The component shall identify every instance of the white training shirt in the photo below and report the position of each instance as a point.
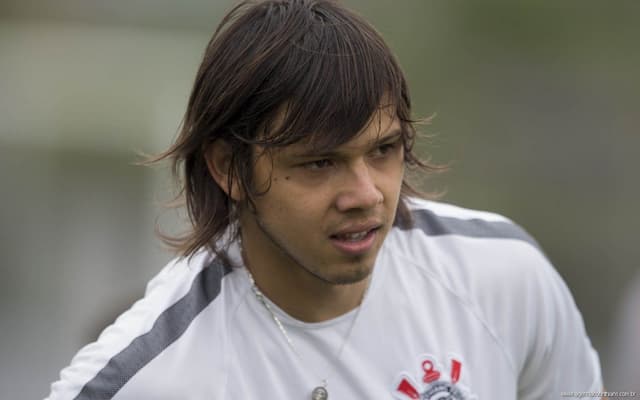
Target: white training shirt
(462, 304)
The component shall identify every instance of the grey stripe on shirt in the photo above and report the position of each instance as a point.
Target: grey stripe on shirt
(435, 225)
(169, 326)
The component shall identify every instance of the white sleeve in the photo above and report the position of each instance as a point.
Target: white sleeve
(125, 349)
(559, 356)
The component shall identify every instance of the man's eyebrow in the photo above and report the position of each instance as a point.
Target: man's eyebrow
(388, 137)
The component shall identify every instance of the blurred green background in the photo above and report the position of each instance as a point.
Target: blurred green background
(536, 106)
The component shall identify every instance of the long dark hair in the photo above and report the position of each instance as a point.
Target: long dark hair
(276, 72)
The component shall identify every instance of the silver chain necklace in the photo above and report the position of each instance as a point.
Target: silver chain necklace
(319, 392)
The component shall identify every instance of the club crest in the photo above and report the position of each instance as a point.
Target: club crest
(433, 382)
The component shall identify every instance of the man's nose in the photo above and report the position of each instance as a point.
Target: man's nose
(359, 189)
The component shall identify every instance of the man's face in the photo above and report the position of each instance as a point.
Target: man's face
(328, 213)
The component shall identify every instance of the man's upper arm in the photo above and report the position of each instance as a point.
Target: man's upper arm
(560, 357)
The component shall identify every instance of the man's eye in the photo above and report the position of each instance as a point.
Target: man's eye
(384, 149)
(317, 165)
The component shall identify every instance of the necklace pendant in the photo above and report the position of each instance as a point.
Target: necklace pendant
(319, 393)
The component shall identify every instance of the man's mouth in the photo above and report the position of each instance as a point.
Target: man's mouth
(354, 236)
(356, 242)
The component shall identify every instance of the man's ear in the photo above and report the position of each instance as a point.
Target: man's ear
(218, 157)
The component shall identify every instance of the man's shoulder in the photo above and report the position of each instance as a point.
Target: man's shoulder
(185, 284)
(478, 257)
(174, 299)
(488, 266)
(451, 210)
(183, 276)
(432, 219)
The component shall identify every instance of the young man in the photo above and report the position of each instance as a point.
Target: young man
(313, 270)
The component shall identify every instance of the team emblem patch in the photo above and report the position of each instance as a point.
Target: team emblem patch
(434, 384)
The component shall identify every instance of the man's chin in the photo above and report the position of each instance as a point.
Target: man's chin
(350, 277)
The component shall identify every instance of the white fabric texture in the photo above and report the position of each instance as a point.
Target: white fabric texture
(455, 303)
